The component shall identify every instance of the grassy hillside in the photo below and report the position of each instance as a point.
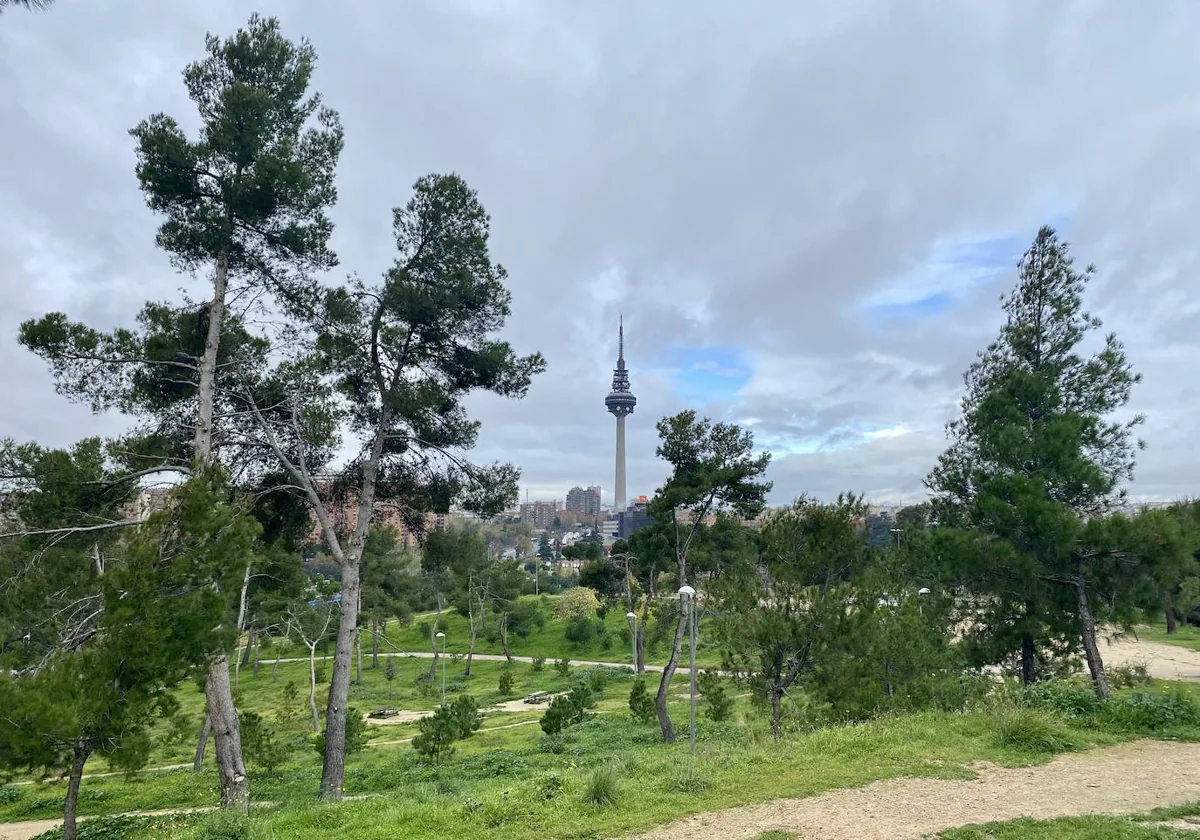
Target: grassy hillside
(610, 643)
(1186, 636)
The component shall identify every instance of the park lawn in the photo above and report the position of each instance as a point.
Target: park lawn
(516, 783)
(1185, 636)
(548, 641)
(1138, 827)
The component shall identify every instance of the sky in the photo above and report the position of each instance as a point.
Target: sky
(806, 212)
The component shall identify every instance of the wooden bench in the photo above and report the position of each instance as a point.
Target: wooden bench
(538, 697)
(385, 712)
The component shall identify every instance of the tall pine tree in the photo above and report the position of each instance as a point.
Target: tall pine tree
(1036, 453)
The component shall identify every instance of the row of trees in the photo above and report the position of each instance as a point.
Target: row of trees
(254, 394)
(1022, 550)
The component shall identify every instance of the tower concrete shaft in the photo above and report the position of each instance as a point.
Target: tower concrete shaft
(620, 402)
(619, 483)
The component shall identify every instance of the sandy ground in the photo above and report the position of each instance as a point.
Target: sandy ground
(411, 716)
(1131, 778)
(1167, 662)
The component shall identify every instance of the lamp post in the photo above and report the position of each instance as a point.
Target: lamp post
(897, 532)
(631, 616)
(442, 636)
(687, 601)
(921, 593)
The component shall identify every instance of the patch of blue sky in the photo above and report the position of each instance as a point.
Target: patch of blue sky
(838, 439)
(708, 374)
(952, 269)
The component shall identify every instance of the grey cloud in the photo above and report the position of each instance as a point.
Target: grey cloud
(733, 173)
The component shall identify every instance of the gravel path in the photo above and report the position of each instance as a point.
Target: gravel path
(1130, 778)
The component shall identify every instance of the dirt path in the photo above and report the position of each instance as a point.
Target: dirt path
(1168, 662)
(1131, 778)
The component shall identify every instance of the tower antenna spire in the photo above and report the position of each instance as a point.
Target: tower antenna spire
(620, 402)
(621, 337)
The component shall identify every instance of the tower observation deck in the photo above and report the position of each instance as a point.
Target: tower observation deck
(620, 403)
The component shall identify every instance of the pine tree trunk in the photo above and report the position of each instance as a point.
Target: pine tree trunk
(227, 743)
(275, 667)
(1028, 654)
(374, 642)
(664, 685)
(1090, 648)
(251, 638)
(256, 645)
(471, 649)
(1169, 612)
(504, 638)
(333, 770)
(78, 759)
(202, 743)
(776, 712)
(312, 688)
(227, 739)
(357, 657)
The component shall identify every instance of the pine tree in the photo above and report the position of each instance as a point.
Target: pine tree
(1034, 452)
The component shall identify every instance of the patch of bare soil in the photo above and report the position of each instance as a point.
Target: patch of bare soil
(1130, 778)
(1168, 662)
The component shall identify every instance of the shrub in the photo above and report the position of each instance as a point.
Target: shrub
(563, 666)
(718, 703)
(223, 825)
(448, 724)
(1073, 699)
(322, 674)
(580, 630)
(603, 787)
(1031, 730)
(356, 733)
(577, 602)
(568, 710)
(291, 706)
(606, 642)
(597, 680)
(539, 662)
(491, 764)
(641, 704)
(550, 785)
(9, 794)
(1146, 712)
(262, 745)
(1129, 676)
(687, 778)
(506, 683)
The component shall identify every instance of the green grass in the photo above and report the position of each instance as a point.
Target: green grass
(548, 641)
(1071, 828)
(1186, 636)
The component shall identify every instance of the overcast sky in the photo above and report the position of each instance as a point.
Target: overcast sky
(805, 211)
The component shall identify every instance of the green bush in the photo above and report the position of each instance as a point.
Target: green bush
(718, 703)
(580, 630)
(1074, 699)
(687, 778)
(506, 683)
(568, 710)
(550, 785)
(597, 680)
(9, 794)
(223, 825)
(356, 733)
(1142, 711)
(1129, 676)
(563, 667)
(490, 765)
(641, 704)
(1032, 730)
(120, 827)
(603, 787)
(439, 731)
(539, 662)
(577, 602)
(262, 745)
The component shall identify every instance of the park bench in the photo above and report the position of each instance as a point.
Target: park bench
(385, 712)
(538, 697)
